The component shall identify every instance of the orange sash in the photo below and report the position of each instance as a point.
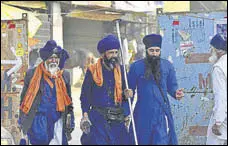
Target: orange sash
(96, 70)
(61, 92)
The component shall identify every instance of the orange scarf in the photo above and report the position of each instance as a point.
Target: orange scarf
(61, 92)
(96, 70)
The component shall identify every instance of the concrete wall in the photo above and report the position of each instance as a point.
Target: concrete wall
(81, 37)
(83, 34)
(44, 32)
(57, 24)
(42, 35)
(192, 114)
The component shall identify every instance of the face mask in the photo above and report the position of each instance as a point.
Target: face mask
(213, 58)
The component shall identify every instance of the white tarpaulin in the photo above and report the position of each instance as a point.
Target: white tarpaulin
(138, 6)
(11, 13)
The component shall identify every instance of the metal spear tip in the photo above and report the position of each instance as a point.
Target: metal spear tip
(117, 20)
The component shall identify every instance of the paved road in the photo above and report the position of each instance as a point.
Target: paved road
(76, 134)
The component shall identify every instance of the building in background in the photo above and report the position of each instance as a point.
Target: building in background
(79, 25)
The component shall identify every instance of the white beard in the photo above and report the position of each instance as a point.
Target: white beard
(213, 58)
(52, 68)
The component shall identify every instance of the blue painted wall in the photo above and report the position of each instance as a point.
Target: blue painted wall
(195, 108)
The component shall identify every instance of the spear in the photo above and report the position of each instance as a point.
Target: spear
(125, 77)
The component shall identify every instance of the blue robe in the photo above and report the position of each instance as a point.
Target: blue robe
(38, 117)
(150, 109)
(101, 132)
(42, 129)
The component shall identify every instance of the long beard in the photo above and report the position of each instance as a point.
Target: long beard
(152, 67)
(112, 62)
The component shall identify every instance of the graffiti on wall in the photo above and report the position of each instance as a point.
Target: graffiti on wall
(186, 43)
(221, 27)
(14, 63)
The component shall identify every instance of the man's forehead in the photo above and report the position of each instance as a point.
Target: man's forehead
(54, 56)
(212, 47)
(151, 48)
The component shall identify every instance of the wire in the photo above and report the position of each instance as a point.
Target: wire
(200, 17)
(39, 14)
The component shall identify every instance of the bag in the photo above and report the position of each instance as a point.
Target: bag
(115, 115)
(111, 114)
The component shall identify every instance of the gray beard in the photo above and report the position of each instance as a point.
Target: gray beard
(52, 68)
(213, 58)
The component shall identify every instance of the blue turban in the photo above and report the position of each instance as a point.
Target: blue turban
(51, 48)
(219, 42)
(63, 55)
(152, 40)
(108, 43)
(47, 50)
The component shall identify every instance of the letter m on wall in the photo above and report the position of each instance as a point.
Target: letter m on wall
(205, 83)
